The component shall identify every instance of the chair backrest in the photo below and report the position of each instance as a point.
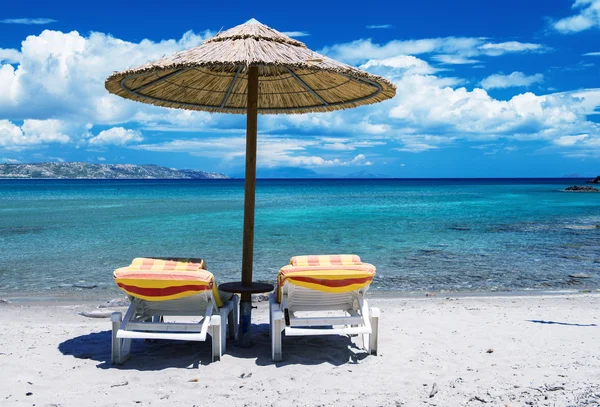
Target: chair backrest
(153, 279)
(337, 278)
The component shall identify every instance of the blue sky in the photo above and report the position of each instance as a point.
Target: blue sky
(485, 89)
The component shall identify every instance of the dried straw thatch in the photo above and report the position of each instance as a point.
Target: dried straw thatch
(213, 76)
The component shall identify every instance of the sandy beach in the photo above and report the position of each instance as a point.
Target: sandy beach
(455, 351)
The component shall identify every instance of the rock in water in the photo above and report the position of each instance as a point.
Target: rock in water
(85, 285)
(578, 188)
(580, 275)
(595, 180)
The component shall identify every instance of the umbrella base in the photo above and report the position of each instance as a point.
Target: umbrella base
(245, 322)
(245, 306)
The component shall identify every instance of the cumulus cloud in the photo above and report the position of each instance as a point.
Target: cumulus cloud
(117, 136)
(515, 79)
(31, 133)
(570, 140)
(10, 56)
(271, 151)
(62, 75)
(588, 16)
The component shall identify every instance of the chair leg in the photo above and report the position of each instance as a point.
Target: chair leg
(232, 321)
(215, 333)
(224, 312)
(374, 337)
(121, 348)
(277, 327)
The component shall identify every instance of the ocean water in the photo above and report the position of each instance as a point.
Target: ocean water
(64, 238)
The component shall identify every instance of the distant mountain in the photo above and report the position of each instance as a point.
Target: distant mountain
(78, 170)
(364, 174)
(283, 172)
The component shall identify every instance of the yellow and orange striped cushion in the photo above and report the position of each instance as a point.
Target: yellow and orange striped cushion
(161, 280)
(327, 273)
(326, 260)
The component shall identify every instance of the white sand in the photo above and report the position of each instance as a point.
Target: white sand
(63, 359)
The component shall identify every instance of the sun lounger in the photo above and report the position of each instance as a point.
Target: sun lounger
(160, 287)
(319, 285)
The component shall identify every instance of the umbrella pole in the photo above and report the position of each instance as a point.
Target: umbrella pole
(249, 202)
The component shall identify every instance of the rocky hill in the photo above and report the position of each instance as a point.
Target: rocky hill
(79, 170)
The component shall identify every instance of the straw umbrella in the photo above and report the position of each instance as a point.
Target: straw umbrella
(250, 69)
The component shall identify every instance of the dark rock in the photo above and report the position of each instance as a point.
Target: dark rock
(4, 301)
(86, 286)
(595, 180)
(578, 188)
(580, 275)
(434, 390)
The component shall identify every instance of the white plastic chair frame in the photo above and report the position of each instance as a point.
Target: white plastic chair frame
(358, 318)
(144, 320)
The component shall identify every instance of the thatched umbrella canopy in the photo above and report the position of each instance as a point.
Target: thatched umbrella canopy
(250, 69)
(213, 77)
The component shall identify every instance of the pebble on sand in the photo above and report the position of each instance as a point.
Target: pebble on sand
(97, 314)
(116, 302)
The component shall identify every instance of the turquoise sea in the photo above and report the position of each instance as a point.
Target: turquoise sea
(64, 238)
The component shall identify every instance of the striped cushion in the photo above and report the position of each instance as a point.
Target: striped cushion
(326, 260)
(330, 273)
(161, 280)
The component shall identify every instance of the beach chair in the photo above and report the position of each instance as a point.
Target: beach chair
(314, 286)
(160, 287)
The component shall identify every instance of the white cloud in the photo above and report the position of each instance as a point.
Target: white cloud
(588, 16)
(466, 47)
(271, 151)
(28, 21)
(61, 75)
(515, 79)
(31, 133)
(296, 33)
(117, 136)
(9, 56)
(497, 49)
(455, 60)
(592, 54)
(379, 26)
(570, 140)
(402, 64)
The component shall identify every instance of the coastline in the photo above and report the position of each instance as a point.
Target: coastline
(31, 299)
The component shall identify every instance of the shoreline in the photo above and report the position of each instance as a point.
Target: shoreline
(371, 294)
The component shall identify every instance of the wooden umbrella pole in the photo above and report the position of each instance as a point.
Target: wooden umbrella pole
(249, 201)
